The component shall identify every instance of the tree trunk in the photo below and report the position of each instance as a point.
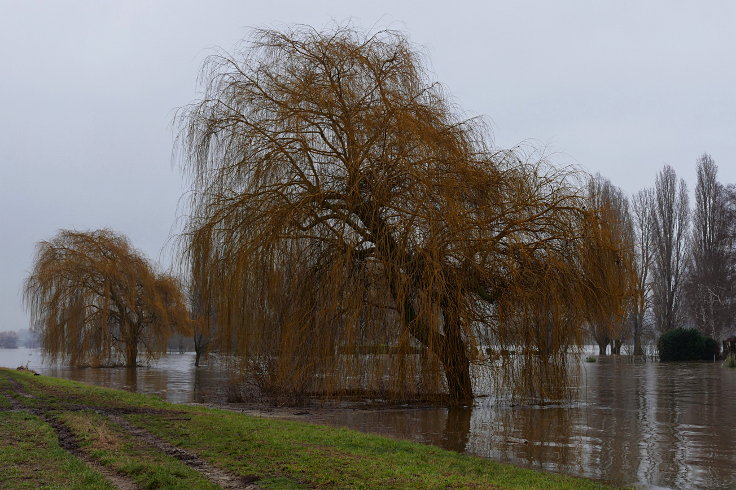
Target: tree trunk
(449, 346)
(602, 348)
(638, 351)
(455, 358)
(459, 384)
(616, 347)
(131, 349)
(131, 354)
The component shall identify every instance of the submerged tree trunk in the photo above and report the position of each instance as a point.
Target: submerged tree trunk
(638, 351)
(602, 346)
(200, 346)
(131, 354)
(455, 356)
(131, 349)
(459, 386)
(616, 347)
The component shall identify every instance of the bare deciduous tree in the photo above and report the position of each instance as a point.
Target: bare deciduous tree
(96, 301)
(351, 232)
(670, 221)
(643, 237)
(708, 284)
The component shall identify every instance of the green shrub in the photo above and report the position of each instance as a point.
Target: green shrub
(686, 344)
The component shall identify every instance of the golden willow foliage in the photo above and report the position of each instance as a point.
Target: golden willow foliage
(349, 232)
(96, 301)
(608, 260)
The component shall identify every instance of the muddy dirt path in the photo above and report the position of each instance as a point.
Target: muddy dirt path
(69, 442)
(212, 473)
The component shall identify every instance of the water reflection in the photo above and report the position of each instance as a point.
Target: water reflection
(645, 424)
(174, 378)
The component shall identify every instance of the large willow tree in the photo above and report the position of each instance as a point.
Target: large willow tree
(96, 301)
(348, 231)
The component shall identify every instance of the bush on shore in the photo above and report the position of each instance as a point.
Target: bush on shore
(686, 344)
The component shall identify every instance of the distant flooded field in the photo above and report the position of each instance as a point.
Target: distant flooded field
(646, 424)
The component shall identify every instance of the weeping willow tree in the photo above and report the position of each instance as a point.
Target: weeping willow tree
(608, 260)
(349, 231)
(96, 301)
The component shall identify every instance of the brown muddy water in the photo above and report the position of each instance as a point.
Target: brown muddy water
(642, 424)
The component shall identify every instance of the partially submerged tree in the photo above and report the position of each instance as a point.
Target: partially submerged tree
(349, 231)
(202, 325)
(642, 297)
(670, 221)
(608, 260)
(96, 301)
(709, 283)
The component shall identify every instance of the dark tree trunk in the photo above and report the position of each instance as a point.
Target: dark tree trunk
(638, 351)
(201, 343)
(459, 386)
(616, 347)
(131, 348)
(448, 346)
(455, 358)
(131, 354)
(602, 348)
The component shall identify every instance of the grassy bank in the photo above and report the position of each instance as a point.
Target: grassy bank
(58, 433)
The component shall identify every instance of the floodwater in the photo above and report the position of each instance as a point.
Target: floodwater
(643, 424)
(173, 378)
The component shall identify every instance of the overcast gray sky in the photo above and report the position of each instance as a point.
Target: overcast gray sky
(88, 91)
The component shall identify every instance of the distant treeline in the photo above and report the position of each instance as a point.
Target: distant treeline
(684, 256)
(20, 338)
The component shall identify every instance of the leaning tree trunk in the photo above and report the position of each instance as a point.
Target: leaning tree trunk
(457, 373)
(455, 358)
(450, 346)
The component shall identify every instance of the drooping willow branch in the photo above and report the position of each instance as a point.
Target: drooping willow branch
(96, 301)
(329, 175)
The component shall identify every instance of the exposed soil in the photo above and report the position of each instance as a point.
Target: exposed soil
(212, 473)
(69, 442)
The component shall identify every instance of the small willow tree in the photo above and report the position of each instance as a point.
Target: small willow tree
(96, 301)
(348, 231)
(608, 260)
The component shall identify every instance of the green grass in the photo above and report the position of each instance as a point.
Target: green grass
(113, 447)
(281, 454)
(60, 394)
(30, 457)
(306, 455)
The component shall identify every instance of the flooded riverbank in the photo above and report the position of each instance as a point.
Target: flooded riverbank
(647, 424)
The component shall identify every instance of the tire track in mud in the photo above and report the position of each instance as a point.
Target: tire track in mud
(68, 441)
(210, 472)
